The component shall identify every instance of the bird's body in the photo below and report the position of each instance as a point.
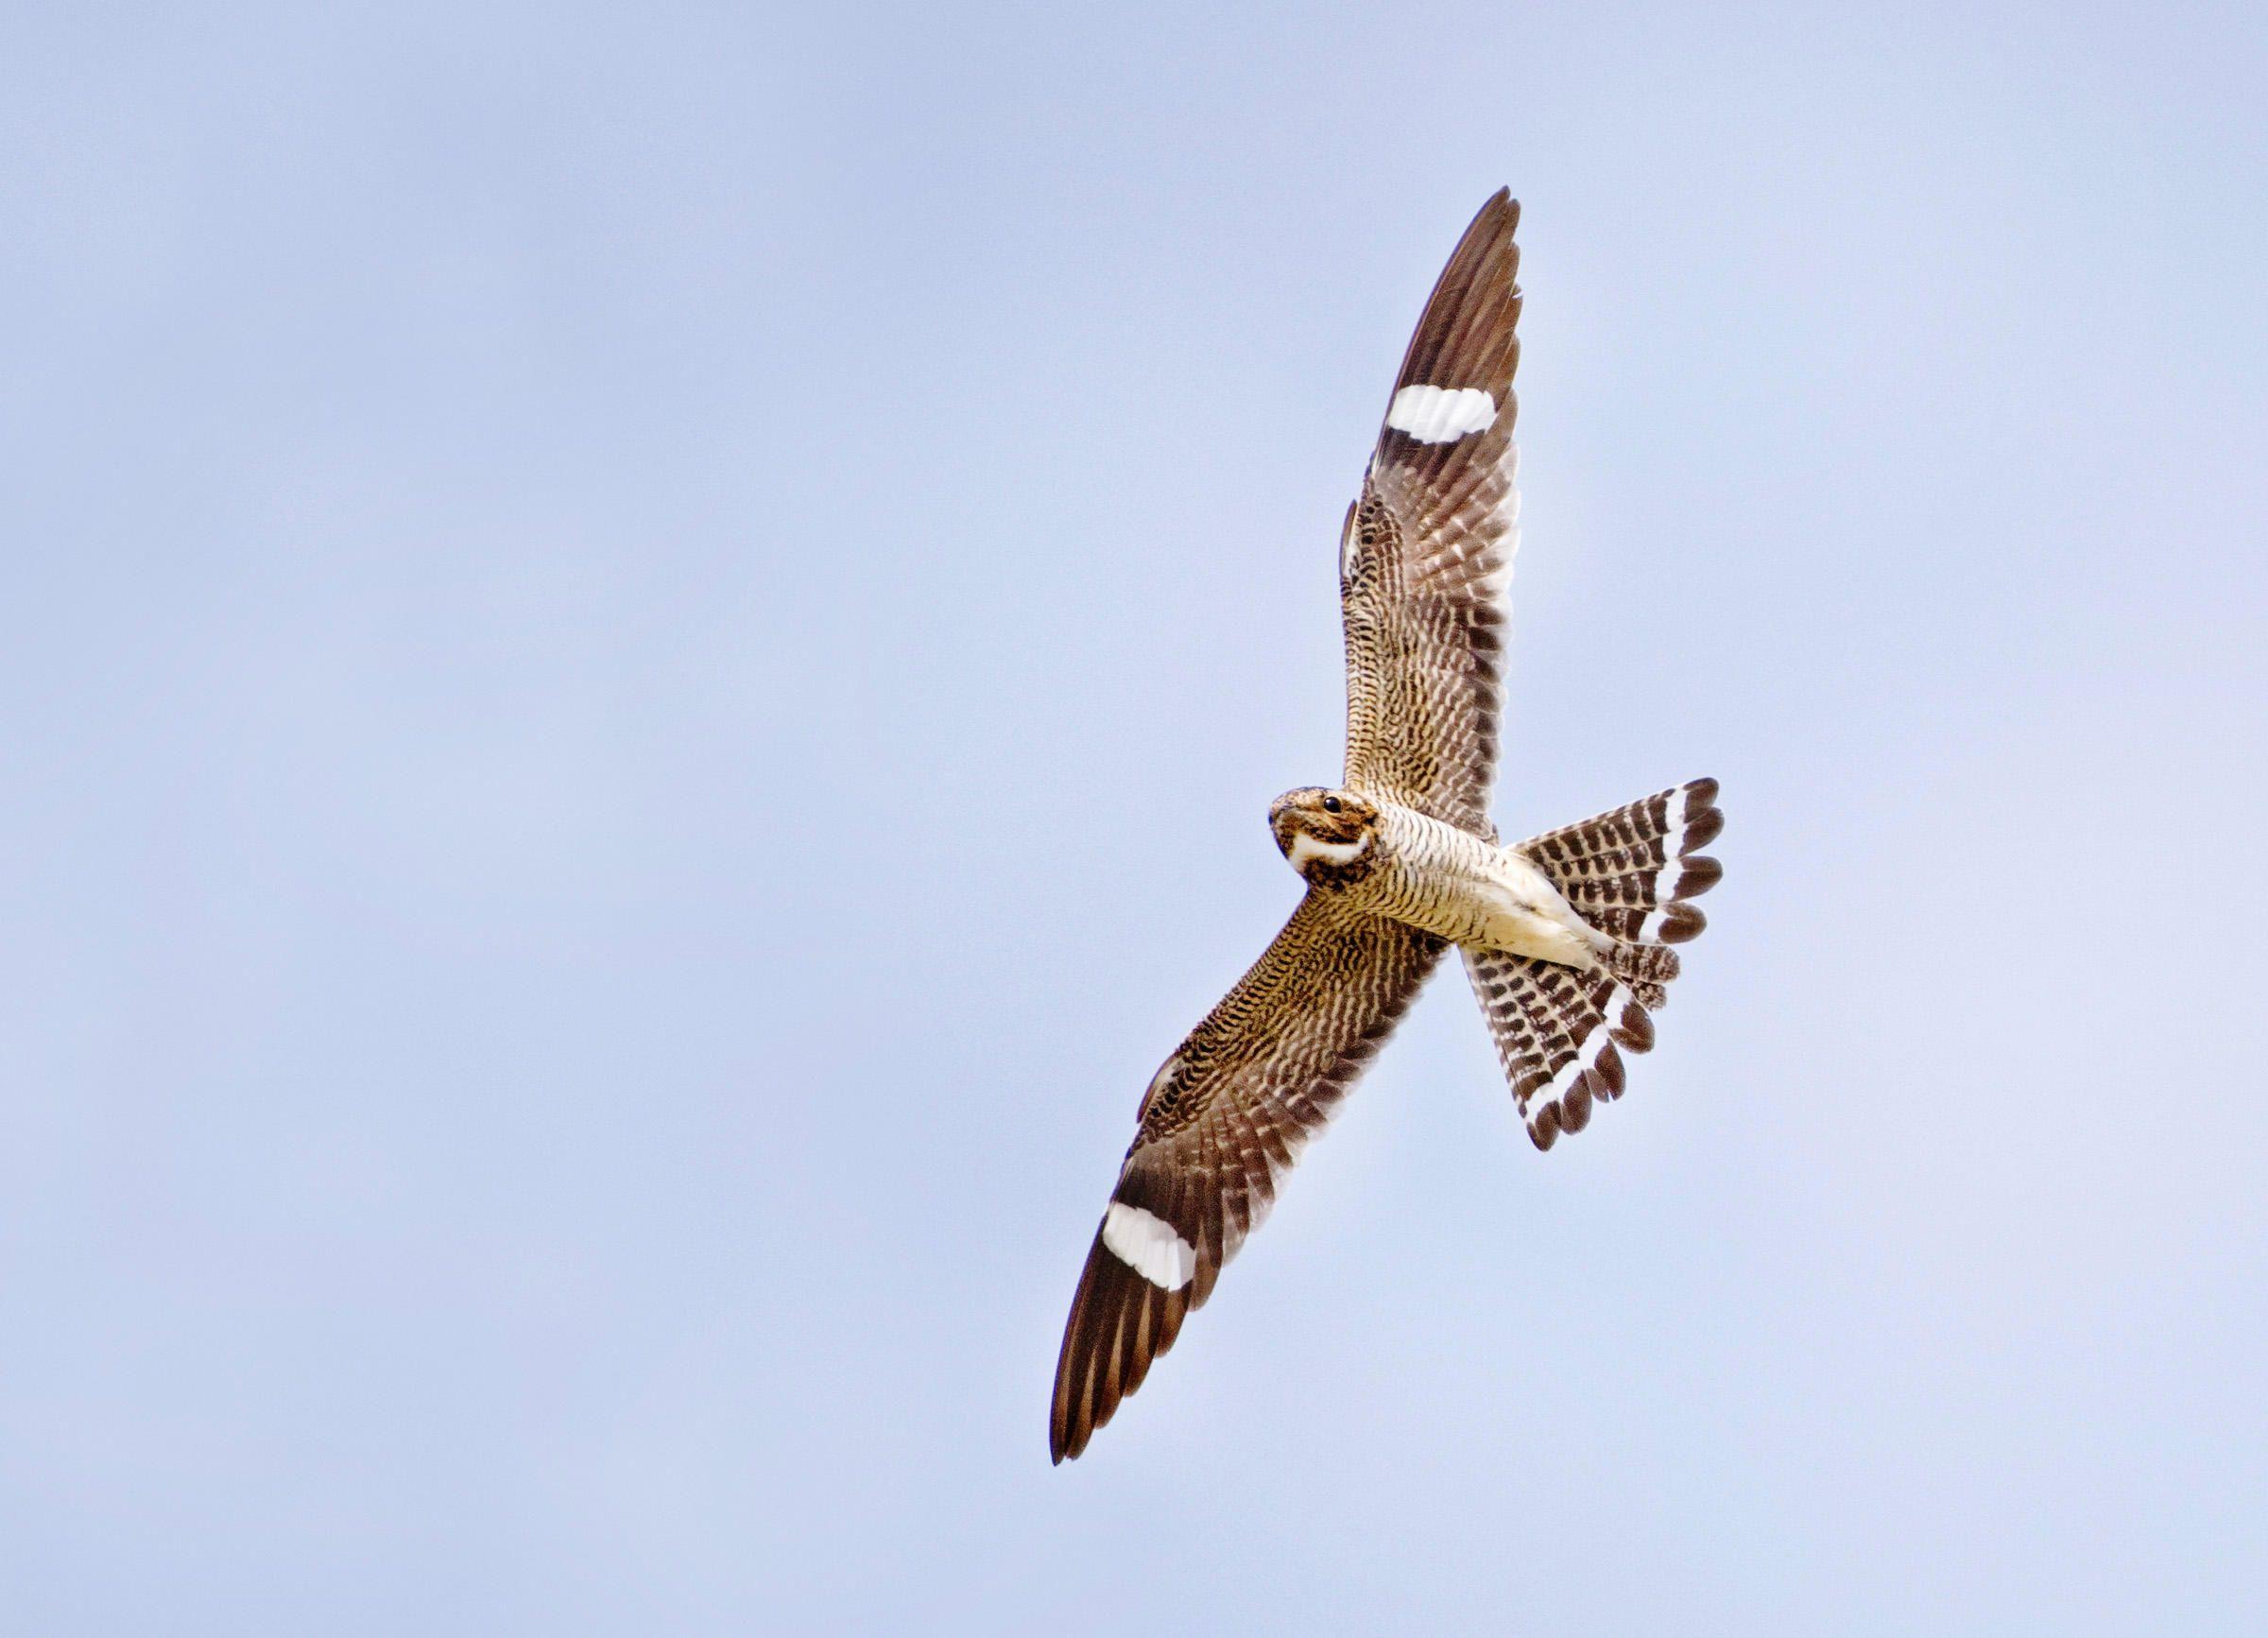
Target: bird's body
(1410, 868)
(1565, 936)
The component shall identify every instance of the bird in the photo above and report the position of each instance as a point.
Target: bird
(1568, 938)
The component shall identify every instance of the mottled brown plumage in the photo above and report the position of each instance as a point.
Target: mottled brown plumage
(1564, 937)
(1427, 549)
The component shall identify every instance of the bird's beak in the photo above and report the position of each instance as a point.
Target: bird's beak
(1279, 826)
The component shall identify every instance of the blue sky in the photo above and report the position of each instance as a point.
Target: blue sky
(642, 655)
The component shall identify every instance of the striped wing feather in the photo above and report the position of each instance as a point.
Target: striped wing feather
(1220, 1123)
(1428, 545)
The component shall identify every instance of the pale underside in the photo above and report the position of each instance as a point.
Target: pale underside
(1472, 892)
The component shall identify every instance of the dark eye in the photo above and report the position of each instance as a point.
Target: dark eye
(1331, 805)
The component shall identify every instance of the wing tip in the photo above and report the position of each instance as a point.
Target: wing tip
(1498, 219)
(1120, 1324)
(1455, 379)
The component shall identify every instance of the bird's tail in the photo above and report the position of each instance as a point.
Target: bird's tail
(1630, 873)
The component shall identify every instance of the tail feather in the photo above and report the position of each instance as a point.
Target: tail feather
(1560, 1034)
(1630, 870)
(1643, 963)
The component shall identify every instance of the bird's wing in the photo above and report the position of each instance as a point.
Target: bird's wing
(1221, 1122)
(1428, 545)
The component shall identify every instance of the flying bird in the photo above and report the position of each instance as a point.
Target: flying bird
(1565, 938)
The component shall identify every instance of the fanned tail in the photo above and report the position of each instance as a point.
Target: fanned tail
(1560, 1033)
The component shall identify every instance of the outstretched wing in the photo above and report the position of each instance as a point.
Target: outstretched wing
(1428, 545)
(1221, 1122)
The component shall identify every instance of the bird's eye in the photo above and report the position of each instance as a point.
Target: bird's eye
(1331, 805)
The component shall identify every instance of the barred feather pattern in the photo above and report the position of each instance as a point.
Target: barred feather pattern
(1426, 552)
(1423, 560)
(1561, 1034)
(1222, 1123)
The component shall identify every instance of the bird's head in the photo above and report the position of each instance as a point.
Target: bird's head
(1329, 835)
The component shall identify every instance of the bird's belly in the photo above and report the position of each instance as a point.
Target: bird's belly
(1479, 895)
(1525, 930)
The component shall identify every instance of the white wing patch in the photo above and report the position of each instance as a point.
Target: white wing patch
(1441, 414)
(1148, 1244)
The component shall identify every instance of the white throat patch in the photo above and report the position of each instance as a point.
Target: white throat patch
(1305, 847)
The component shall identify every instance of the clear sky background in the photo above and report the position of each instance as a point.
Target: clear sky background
(642, 654)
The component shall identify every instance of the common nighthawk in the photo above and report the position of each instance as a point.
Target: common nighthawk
(1565, 938)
